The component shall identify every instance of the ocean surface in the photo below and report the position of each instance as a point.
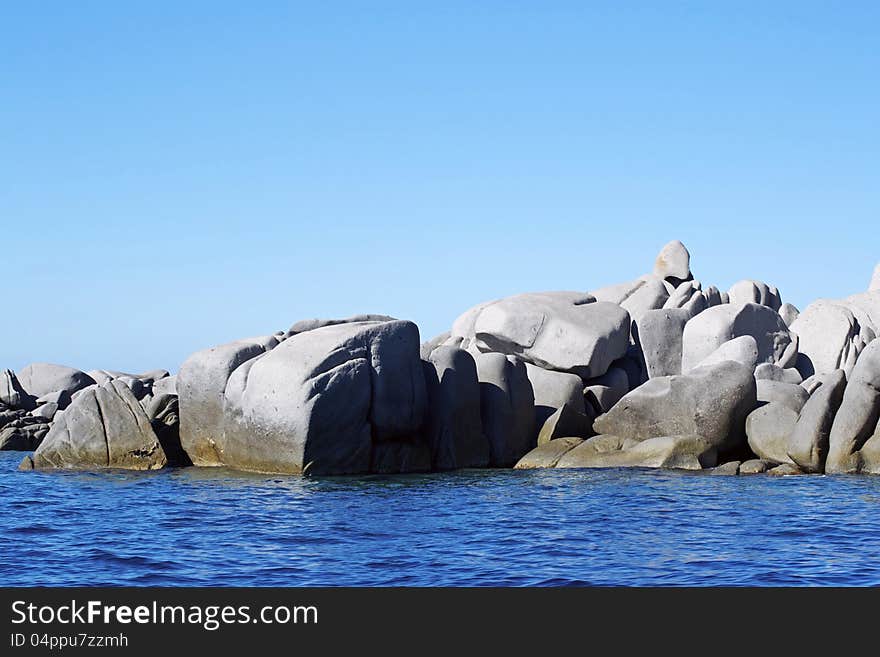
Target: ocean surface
(212, 527)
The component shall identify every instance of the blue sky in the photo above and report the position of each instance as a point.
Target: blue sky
(176, 175)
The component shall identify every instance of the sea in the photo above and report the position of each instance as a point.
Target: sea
(628, 527)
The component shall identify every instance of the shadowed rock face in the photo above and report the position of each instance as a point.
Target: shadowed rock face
(105, 427)
(712, 402)
(454, 429)
(318, 403)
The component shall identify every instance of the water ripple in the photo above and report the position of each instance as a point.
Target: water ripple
(213, 527)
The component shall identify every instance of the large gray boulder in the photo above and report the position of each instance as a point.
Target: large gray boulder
(563, 331)
(713, 327)
(712, 402)
(769, 429)
(507, 408)
(690, 452)
(454, 429)
(318, 403)
(658, 334)
(857, 419)
(808, 443)
(830, 338)
(105, 427)
(39, 379)
(673, 262)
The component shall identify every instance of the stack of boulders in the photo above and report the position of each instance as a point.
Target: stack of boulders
(655, 372)
(71, 418)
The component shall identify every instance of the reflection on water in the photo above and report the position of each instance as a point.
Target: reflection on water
(215, 527)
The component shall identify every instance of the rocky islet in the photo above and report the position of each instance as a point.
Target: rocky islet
(656, 372)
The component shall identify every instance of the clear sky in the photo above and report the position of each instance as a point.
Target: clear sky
(174, 175)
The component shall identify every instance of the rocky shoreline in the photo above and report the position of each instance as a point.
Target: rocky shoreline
(657, 372)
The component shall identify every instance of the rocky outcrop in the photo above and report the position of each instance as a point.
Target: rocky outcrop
(105, 427)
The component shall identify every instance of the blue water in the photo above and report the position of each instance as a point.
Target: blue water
(215, 528)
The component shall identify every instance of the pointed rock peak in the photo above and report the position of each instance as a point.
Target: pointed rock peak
(673, 261)
(875, 281)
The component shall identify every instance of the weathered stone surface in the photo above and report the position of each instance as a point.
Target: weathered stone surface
(165, 386)
(454, 429)
(649, 296)
(566, 422)
(768, 372)
(754, 466)
(42, 378)
(758, 292)
(726, 469)
(785, 470)
(713, 296)
(23, 437)
(46, 411)
(673, 262)
(428, 347)
(201, 384)
(103, 428)
(400, 457)
(808, 443)
(659, 335)
(687, 452)
(789, 313)
(563, 331)
(858, 416)
(787, 394)
(506, 408)
(743, 350)
(547, 455)
(830, 338)
(619, 292)
(712, 401)
(552, 390)
(870, 454)
(769, 429)
(603, 392)
(305, 325)
(713, 327)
